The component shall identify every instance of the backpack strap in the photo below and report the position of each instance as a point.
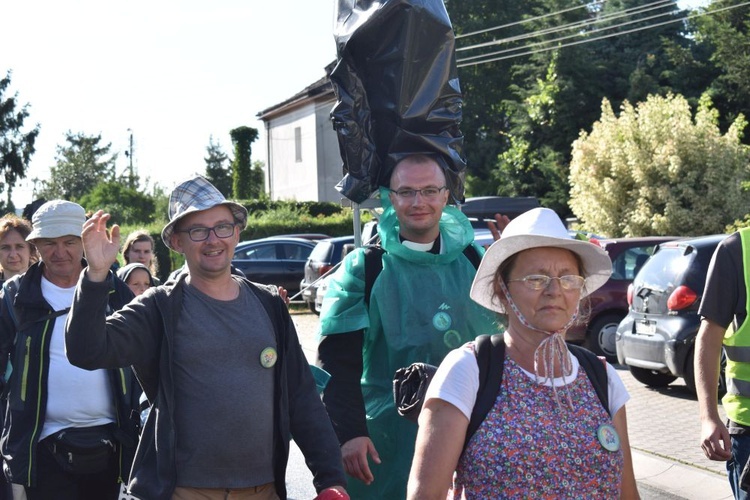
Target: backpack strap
(596, 369)
(374, 264)
(9, 294)
(472, 253)
(490, 353)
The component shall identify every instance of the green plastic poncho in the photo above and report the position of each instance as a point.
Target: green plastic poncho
(419, 311)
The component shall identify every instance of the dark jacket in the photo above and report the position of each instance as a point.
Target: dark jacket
(27, 386)
(142, 334)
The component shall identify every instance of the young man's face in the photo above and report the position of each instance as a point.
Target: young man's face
(212, 256)
(418, 215)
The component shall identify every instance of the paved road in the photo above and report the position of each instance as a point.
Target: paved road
(662, 423)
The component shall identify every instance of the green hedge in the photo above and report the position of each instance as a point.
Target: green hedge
(284, 218)
(311, 208)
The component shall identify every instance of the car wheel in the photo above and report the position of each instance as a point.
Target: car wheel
(601, 336)
(650, 377)
(311, 306)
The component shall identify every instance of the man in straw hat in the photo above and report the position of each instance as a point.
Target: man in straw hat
(69, 433)
(218, 358)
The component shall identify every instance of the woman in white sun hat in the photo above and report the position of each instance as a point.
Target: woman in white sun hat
(548, 434)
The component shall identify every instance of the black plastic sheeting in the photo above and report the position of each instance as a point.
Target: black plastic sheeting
(398, 92)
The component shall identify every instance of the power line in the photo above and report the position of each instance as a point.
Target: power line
(575, 25)
(576, 35)
(547, 49)
(536, 18)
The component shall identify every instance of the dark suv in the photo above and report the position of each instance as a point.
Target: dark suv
(609, 304)
(326, 254)
(656, 340)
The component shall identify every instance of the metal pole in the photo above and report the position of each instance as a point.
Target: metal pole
(132, 176)
(356, 216)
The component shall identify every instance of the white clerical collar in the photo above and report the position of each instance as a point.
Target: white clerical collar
(423, 247)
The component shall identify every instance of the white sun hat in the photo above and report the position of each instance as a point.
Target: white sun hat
(57, 218)
(539, 227)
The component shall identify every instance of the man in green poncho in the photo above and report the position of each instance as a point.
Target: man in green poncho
(418, 310)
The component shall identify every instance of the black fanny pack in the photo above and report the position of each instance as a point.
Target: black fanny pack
(83, 450)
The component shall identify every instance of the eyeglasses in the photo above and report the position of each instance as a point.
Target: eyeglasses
(429, 192)
(541, 281)
(202, 233)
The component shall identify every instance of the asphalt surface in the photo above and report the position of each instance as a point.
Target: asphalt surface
(663, 427)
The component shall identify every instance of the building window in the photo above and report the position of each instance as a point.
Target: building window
(298, 144)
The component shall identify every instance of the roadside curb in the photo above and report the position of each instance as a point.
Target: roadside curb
(683, 481)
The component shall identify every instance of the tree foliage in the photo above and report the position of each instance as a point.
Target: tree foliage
(81, 164)
(217, 169)
(16, 142)
(484, 86)
(257, 181)
(242, 138)
(519, 129)
(723, 37)
(127, 205)
(655, 170)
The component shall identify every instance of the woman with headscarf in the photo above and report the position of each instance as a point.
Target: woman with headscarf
(548, 435)
(137, 276)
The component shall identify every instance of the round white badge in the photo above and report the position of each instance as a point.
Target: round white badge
(608, 437)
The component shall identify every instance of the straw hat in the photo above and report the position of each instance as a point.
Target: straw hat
(540, 227)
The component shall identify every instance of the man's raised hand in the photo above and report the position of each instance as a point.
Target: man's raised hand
(100, 247)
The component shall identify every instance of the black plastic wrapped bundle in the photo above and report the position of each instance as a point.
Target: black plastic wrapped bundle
(410, 387)
(398, 92)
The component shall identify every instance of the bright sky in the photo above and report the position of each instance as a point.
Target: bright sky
(174, 72)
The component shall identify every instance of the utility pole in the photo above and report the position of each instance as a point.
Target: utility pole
(129, 154)
(132, 175)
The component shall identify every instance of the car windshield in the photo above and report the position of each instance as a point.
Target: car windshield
(322, 251)
(665, 268)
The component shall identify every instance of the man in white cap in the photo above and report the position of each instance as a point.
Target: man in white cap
(218, 358)
(68, 433)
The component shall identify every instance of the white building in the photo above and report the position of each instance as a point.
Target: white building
(303, 159)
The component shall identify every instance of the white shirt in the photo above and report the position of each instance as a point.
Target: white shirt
(75, 397)
(457, 381)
